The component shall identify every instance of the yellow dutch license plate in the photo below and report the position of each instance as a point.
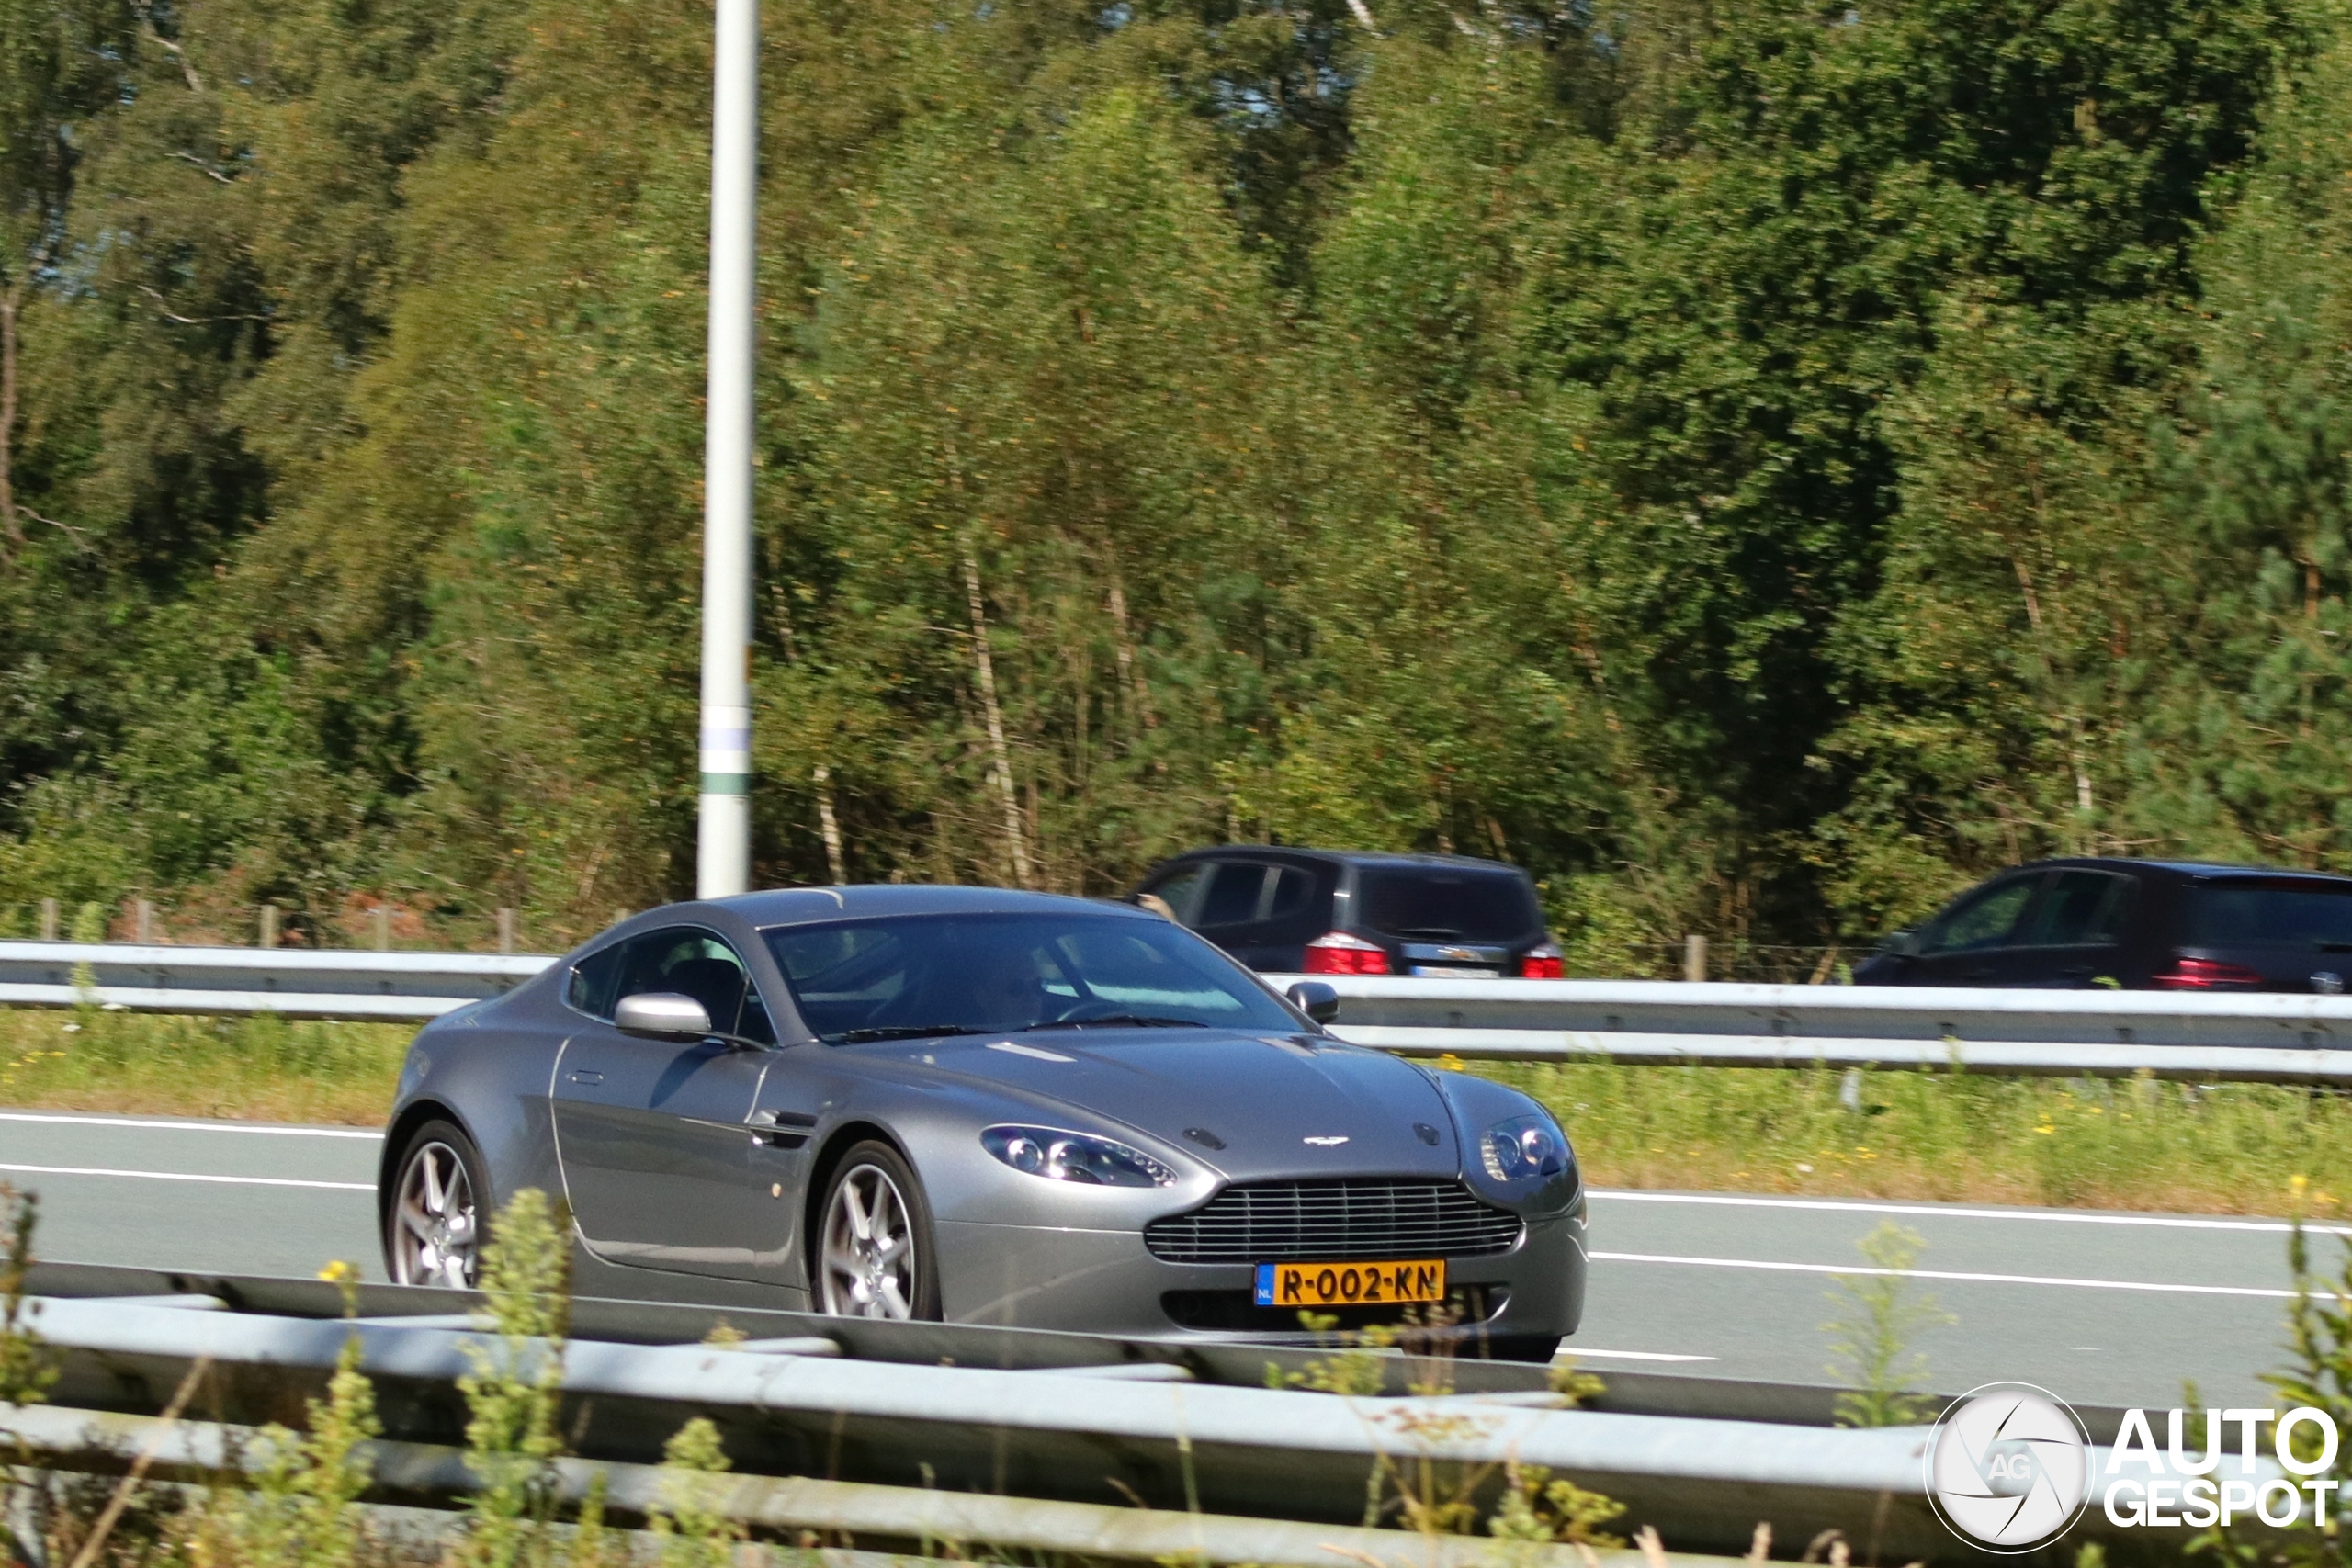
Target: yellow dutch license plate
(1350, 1284)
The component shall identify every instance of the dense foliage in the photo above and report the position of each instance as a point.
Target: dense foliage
(1756, 463)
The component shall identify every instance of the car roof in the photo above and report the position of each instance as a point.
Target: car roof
(801, 906)
(1400, 858)
(2202, 870)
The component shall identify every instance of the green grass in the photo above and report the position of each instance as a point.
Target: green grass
(259, 1069)
(2231, 1148)
(2134, 1144)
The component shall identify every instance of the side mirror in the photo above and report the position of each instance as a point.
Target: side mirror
(1316, 999)
(665, 1015)
(1903, 943)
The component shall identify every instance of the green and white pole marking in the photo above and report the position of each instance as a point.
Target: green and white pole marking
(723, 862)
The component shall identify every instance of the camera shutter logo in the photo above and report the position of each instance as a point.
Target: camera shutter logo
(2009, 1467)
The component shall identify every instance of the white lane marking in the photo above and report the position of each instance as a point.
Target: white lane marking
(261, 1128)
(1856, 1268)
(1578, 1353)
(1945, 1211)
(184, 1176)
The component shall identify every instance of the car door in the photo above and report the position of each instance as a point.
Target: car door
(1974, 942)
(2073, 933)
(662, 1165)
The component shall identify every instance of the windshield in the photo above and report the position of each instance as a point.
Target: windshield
(2273, 914)
(1449, 905)
(914, 976)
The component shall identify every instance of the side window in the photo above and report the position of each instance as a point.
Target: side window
(589, 990)
(1232, 895)
(1982, 920)
(1290, 893)
(692, 962)
(1181, 892)
(2082, 909)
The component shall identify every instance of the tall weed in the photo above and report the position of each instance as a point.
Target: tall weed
(27, 1373)
(2319, 1334)
(514, 1394)
(1870, 1344)
(298, 1512)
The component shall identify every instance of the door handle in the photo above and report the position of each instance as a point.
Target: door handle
(585, 1077)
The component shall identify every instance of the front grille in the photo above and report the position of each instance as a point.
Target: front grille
(1331, 1222)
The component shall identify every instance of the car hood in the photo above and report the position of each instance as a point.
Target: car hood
(1280, 1105)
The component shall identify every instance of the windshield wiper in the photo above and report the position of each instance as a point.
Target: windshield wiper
(904, 1032)
(1123, 1020)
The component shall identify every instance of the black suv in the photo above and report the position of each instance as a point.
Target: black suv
(2140, 925)
(1355, 912)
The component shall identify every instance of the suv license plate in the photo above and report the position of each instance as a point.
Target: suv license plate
(1455, 972)
(1350, 1284)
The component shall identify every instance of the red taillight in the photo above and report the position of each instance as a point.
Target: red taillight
(2204, 975)
(1337, 953)
(1541, 963)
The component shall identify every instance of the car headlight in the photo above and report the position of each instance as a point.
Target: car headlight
(1075, 1156)
(1523, 1149)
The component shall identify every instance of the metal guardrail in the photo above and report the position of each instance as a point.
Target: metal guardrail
(1125, 1450)
(389, 987)
(900, 1518)
(1068, 1419)
(2240, 1036)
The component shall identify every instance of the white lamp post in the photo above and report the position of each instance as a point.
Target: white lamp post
(723, 861)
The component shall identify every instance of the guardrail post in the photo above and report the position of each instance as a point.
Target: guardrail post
(269, 926)
(505, 933)
(49, 919)
(1694, 958)
(380, 928)
(142, 922)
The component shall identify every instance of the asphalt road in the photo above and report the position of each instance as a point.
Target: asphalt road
(2100, 1308)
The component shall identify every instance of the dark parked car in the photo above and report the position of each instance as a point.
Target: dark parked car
(1353, 912)
(2140, 925)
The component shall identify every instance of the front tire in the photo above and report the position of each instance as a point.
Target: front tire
(435, 1227)
(874, 1256)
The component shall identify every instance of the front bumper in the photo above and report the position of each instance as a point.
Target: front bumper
(1103, 1281)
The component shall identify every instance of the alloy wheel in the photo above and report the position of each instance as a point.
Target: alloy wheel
(439, 1233)
(868, 1262)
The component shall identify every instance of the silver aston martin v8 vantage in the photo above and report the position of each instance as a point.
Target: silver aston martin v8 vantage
(983, 1106)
